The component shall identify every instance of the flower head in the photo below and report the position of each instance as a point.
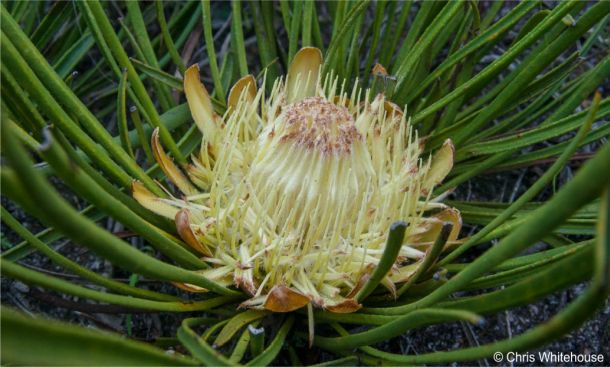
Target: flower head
(291, 196)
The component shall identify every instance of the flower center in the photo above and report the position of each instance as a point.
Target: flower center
(312, 170)
(315, 123)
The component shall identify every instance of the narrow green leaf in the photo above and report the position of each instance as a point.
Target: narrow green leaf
(419, 23)
(167, 38)
(55, 211)
(571, 317)
(160, 75)
(33, 277)
(376, 33)
(241, 346)
(429, 259)
(257, 340)
(197, 346)
(57, 16)
(586, 186)
(141, 34)
(235, 324)
(343, 30)
(411, 320)
(266, 42)
(64, 344)
(530, 289)
(407, 67)
(74, 267)
(295, 27)
(531, 136)
(209, 44)
(48, 104)
(237, 40)
(308, 11)
(122, 116)
(498, 65)
(68, 61)
(273, 349)
(390, 252)
(139, 89)
(392, 32)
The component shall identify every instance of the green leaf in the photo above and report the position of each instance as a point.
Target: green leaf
(57, 343)
(236, 323)
(390, 252)
(68, 61)
(159, 75)
(209, 44)
(197, 346)
(268, 355)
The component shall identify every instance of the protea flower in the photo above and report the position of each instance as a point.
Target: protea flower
(290, 197)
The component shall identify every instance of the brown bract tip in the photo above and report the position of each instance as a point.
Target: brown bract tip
(347, 306)
(183, 226)
(284, 299)
(378, 69)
